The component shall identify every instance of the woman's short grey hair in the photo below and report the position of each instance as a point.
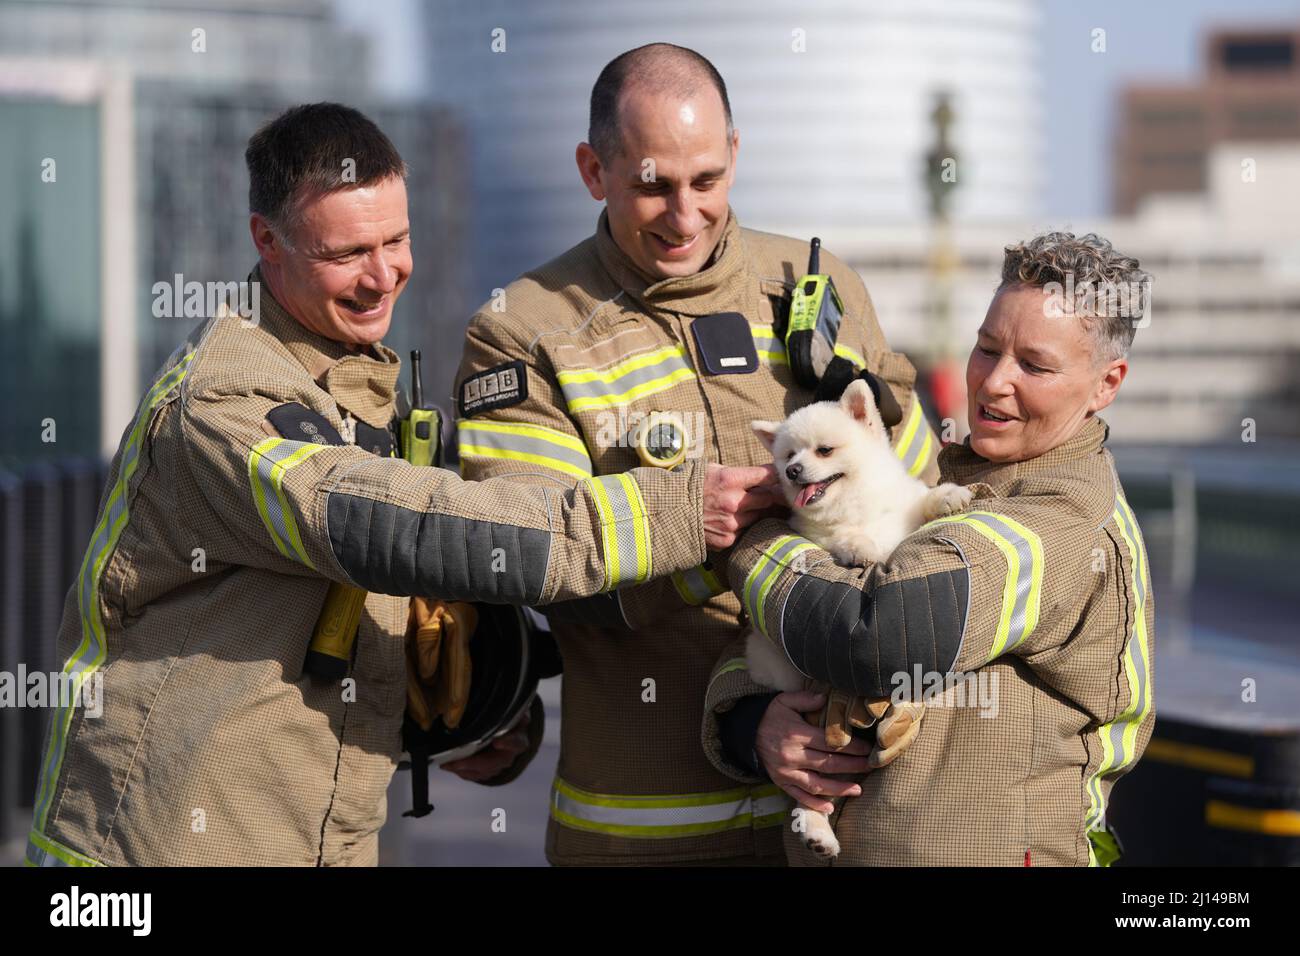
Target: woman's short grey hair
(1087, 277)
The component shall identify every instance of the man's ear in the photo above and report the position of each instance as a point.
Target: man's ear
(269, 247)
(766, 432)
(590, 168)
(735, 153)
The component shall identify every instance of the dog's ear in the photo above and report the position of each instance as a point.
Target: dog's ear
(858, 401)
(766, 432)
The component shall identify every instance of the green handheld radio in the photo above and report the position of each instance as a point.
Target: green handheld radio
(336, 629)
(814, 324)
(421, 430)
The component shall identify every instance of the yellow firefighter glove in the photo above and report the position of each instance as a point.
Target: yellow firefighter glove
(897, 724)
(896, 730)
(438, 660)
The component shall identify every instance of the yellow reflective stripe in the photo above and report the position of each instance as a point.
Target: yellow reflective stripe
(845, 352)
(696, 585)
(1119, 736)
(612, 374)
(92, 649)
(534, 444)
(763, 575)
(259, 496)
(923, 457)
(1227, 816)
(42, 851)
(769, 348)
(665, 816)
(624, 529)
(269, 462)
(1022, 590)
(626, 381)
(915, 459)
(614, 399)
(909, 431)
(640, 526)
(735, 664)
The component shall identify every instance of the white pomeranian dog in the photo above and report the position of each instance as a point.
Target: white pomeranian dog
(851, 495)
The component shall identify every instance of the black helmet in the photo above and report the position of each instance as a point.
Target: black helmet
(508, 656)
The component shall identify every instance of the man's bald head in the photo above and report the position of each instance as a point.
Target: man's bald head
(661, 69)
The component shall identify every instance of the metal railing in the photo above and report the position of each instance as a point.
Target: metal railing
(46, 518)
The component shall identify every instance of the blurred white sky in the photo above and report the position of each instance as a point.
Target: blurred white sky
(1145, 40)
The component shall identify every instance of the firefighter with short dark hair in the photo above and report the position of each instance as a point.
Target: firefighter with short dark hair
(263, 447)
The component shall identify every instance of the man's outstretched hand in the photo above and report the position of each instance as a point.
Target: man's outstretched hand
(735, 497)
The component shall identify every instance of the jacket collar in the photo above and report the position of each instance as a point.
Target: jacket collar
(363, 384)
(960, 464)
(723, 285)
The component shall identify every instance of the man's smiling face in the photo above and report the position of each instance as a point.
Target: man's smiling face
(670, 224)
(348, 260)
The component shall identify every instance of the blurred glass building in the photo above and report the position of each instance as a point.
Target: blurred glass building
(831, 100)
(124, 129)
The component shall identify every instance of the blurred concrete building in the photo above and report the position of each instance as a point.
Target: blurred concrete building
(831, 100)
(124, 126)
(1223, 343)
(1166, 133)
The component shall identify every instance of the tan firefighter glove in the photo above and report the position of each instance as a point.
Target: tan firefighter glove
(438, 667)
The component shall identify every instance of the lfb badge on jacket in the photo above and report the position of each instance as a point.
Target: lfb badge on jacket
(497, 387)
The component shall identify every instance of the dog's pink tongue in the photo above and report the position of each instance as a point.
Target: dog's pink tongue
(805, 492)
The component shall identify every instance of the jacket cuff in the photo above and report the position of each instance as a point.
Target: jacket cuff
(731, 684)
(674, 502)
(738, 729)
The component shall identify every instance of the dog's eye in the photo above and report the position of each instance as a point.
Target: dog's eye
(824, 451)
(789, 455)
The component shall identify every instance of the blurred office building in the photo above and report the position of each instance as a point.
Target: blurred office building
(1221, 350)
(124, 131)
(831, 101)
(1250, 94)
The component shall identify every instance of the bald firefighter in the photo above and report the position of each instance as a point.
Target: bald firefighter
(255, 474)
(670, 312)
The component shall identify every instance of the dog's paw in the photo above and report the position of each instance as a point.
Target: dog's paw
(818, 835)
(825, 846)
(947, 499)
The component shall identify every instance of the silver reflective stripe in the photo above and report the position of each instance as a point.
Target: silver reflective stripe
(625, 529)
(664, 815)
(42, 851)
(268, 463)
(696, 585)
(1018, 630)
(777, 803)
(917, 440)
(768, 346)
(534, 444)
(621, 384)
(757, 584)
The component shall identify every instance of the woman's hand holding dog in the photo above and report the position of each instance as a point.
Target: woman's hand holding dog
(796, 756)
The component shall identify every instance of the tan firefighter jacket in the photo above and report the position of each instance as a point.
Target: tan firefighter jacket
(216, 542)
(1029, 616)
(599, 346)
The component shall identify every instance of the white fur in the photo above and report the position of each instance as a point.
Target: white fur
(860, 518)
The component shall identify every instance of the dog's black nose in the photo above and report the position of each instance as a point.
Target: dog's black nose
(793, 472)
